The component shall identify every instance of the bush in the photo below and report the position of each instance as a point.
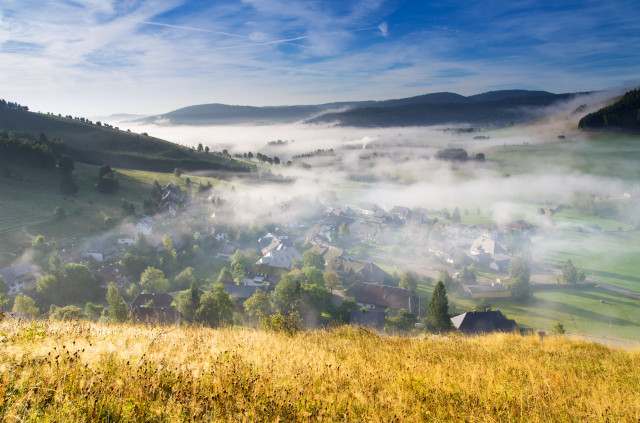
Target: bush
(289, 325)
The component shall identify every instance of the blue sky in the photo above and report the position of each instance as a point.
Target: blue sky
(91, 57)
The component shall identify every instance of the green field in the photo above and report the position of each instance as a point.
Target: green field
(30, 195)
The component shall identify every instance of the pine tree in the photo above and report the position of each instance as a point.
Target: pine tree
(438, 314)
(118, 311)
(189, 302)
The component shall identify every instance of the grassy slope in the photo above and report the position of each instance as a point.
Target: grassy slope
(79, 371)
(29, 197)
(90, 143)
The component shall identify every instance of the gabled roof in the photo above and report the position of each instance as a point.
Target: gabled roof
(474, 322)
(328, 252)
(241, 291)
(19, 272)
(364, 271)
(386, 296)
(486, 245)
(280, 257)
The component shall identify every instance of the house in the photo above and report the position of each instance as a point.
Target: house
(100, 250)
(227, 250)
(282, 256)
(158, 299)
(381, 297)
(318, 233)
(366, 231)
(155, 308)
(372, 319)
(241, 293)
(488, 252)
(337, 216)
(369, 209)
(114, 272)
(484, 245)
(70, 256)
(478, 322)
(328, 252)
(20, 277)
(351, 271)
(400, 214)
(488, 291)
(145, 225)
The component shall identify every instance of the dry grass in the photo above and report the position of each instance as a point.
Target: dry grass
(87, 372)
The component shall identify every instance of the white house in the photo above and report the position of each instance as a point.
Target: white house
(20, 277)
(145, 225)
(280, 257)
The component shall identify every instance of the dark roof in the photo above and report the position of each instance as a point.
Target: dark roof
(328, 252)
(387, 296)
(473, 322)
(357, 270)
(369, 318)
(160, 299)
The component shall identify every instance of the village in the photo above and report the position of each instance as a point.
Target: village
(379, 262)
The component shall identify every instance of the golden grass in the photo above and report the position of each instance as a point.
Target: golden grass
(89, 372)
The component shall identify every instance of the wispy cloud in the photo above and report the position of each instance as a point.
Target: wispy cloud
(384, 29)
(164, 54)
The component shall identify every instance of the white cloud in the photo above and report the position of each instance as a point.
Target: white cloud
(384, 29)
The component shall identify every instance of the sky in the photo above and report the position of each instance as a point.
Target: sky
(101, 57)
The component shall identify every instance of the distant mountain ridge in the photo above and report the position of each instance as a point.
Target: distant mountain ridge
(490, 108)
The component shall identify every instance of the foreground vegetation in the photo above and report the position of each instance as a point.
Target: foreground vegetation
(81, 371)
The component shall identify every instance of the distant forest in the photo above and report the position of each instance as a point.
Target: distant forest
(622, 116)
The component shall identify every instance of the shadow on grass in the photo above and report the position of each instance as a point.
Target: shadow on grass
(597, 294)
(602, 273)
(536, 308)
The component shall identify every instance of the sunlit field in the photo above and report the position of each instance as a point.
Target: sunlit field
(86, 372)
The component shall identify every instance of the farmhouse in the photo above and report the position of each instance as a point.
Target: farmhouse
(381, 297)
(280, 257)
(477, 322)
(20, 277)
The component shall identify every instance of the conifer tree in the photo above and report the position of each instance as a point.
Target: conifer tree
(438, 313)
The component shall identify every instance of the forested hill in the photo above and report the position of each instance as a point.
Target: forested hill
(496, 108)
(621, 116)
(96, 143)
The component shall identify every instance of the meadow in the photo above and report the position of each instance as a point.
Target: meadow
(79, 371)
(30, 196)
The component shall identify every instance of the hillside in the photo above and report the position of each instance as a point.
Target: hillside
(78, 371)
(484, 110)
(621, 116)
(490, 108)
(94, 143)
(221, 114)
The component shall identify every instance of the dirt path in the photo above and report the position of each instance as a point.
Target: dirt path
(622, 291)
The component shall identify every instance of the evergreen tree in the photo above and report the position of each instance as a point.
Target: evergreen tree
(118, 311)
(438, 313)
(189, 302)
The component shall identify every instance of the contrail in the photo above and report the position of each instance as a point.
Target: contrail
(188, 28)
